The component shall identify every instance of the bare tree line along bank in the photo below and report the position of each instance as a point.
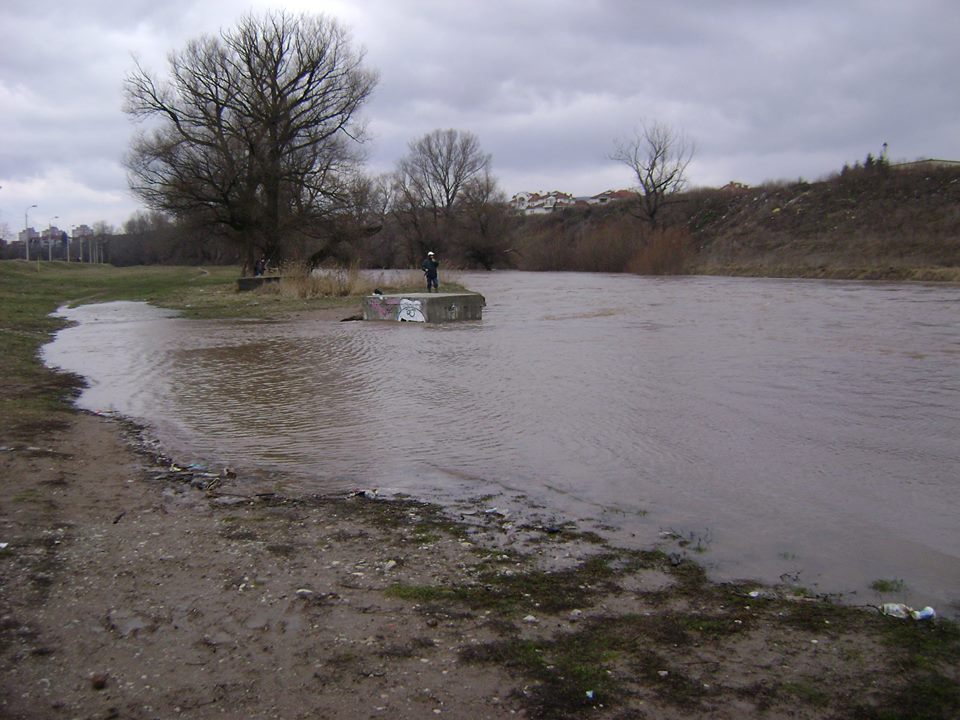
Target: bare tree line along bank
(862, 223)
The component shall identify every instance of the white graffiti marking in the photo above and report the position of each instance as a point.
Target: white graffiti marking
(410, 311)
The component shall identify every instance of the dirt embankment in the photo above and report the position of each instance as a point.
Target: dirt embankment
(133, 590)
(879, 223)
(870, 223)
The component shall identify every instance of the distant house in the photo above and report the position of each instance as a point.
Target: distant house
(609, 196)
(534, 203)
(734, 186)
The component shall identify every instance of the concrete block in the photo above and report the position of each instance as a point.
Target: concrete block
(424, 307)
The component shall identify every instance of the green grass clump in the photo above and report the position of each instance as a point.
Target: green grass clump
(888, 586)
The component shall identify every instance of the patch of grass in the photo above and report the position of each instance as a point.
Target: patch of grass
(671, 683)
(691, 577)
(570, 673)
(564, 532)
(281, 549)
(923, 645)
(926, 697)
(888, 586)
(513, 591)
(820, 617)
(808, 692)
(422, 593)
(427, 521)
(542, 591)
(28, 496)
(605, 657)
(706, 626)
(409, 649)
(531, 591)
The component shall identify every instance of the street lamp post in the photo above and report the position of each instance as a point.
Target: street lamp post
(26, 229)
(50, 238)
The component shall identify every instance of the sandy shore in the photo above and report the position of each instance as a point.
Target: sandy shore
(126, 597)
(133, 591)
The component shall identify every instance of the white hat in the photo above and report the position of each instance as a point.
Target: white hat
(430, 253)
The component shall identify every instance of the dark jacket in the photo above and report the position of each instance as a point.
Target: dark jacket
(430, 267)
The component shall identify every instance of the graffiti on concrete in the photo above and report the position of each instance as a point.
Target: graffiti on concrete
(397, 308)
(423, 308)
(384, 308)
(410, 311)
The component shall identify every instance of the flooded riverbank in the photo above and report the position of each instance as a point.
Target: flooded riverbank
(792, 429)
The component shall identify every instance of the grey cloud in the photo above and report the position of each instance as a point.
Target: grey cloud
(766, 90)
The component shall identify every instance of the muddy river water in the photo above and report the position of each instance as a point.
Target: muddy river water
(802, 430)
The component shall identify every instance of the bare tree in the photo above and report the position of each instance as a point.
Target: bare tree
(658, 155)
(485, 237)
(431, 178)
(255, 131)
(438, 165)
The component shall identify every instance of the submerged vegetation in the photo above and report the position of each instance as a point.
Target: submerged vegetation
(31, 292)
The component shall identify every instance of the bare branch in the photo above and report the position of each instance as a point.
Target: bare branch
(658, 156)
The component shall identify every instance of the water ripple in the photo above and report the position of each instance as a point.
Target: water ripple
(812, 420)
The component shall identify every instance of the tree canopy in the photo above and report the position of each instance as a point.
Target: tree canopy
(255, 132)
(431, 183)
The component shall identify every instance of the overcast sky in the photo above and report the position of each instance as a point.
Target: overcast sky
(766, 89)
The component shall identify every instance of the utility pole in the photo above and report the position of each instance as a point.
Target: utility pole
(26, 229)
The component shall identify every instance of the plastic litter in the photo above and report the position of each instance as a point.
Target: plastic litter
(902, 611)
(897, 610)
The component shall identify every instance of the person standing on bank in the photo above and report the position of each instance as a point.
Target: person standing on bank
(430, 271)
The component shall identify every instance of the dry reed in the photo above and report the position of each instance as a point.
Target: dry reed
(298, 280)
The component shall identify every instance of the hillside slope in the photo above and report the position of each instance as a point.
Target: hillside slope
(877, 223)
